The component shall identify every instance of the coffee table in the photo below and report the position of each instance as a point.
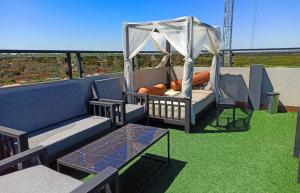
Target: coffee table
(117, 149)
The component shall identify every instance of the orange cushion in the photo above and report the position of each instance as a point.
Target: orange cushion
(176, 85)
(161, 86)
(198, 78)
(143, 90)
(158, 89)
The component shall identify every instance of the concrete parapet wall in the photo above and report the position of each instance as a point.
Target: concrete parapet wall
(235, 82)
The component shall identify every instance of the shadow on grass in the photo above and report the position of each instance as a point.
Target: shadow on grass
(139, 173)
(207, 122)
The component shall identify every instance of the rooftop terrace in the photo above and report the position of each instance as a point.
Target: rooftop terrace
(254, 155)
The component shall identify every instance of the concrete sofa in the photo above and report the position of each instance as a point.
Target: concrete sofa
(53, 115)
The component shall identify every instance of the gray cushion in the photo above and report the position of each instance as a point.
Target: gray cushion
(33, 107)
(108, 89)
(134, 111)
(68, 133)
(37, 179)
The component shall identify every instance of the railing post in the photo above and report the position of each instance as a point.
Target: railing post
(79, 66)
(223, 53)
(69, 63)
(230, 59)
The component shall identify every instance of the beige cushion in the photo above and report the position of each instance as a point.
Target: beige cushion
(201, 99)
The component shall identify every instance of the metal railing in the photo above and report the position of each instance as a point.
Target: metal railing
(68, 54)
(233, 52)
(74, 59)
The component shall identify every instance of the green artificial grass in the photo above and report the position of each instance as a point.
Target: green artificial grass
(256, 158)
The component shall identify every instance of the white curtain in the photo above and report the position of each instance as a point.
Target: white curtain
(199, 39)
(159, 41)
(214, 37)
(135, 40)
(138, 39)
(176, 34)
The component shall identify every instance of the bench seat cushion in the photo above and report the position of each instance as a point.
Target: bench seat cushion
(68, 133)
(37, 179)
(202, 99)
(134, 111)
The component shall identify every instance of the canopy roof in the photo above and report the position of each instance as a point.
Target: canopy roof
(187, 35)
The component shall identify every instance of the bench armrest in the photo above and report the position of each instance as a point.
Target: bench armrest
(40, 152)
(103, 178)
(19, 136)
(120, 111)
(136, 98)
(14, 133)
(106, 109)
(120, 102)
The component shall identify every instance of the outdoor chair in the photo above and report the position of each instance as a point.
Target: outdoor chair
(225, 103)
(129, 107)
(40, 178)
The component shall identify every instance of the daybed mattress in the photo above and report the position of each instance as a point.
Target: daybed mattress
(201, 99)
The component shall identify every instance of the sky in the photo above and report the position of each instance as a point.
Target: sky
(97, 24)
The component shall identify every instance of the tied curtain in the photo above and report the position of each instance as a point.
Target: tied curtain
(160, 43)
(214, 37)
(187, 35)
(135, 40)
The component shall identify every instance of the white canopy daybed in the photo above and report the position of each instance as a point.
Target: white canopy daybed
(189, 37)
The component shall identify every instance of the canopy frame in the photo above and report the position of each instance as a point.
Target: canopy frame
(187, 35)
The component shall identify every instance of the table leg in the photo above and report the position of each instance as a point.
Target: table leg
(117, 184)
(168, 146)
(233, 116)
(218, 116)
(58, 167)
(113, 186)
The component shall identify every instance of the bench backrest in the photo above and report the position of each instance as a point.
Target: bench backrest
(109, 88)
(33, 107)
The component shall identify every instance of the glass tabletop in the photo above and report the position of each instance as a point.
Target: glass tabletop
(115, 149)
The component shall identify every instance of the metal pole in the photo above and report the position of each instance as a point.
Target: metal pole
(79, 66)
(227, 30)
(168, 69)
(168, 146)
(69, 63)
